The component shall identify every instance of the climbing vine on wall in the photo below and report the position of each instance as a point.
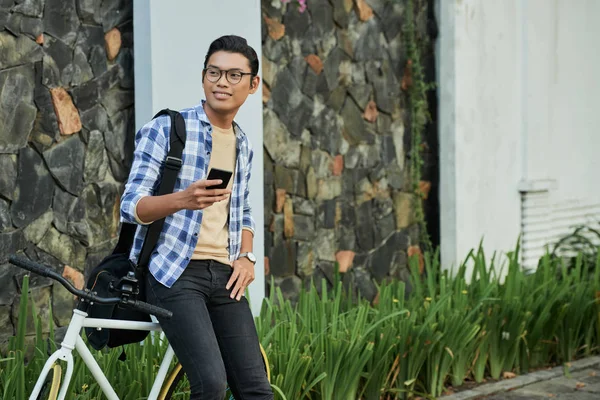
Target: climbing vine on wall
(416, 86)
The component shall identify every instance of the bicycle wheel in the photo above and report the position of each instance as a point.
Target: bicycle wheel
(51, 384)
(177, 387)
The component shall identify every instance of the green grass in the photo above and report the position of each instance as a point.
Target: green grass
(331, 345)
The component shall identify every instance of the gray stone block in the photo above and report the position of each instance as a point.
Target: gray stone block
(368, 46)
(32, 8)
(18, 51)
(96, 160)
(303, 206)
(387, 88)
(114, 13)
(89, 11)
(364, 226)
(65, 162)
(291, 105)
(283, 258)
(306, 260)
(59, 57)
(354, 127)
(304, 227)
(290, 288)
(327, 245)
(61, 20)
(326, 129)
(82, 71)
(29, 204)
(292, 180)
(33, 27)
(17, 109)
(8, 177)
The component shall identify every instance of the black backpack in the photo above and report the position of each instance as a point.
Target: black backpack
(114, 273)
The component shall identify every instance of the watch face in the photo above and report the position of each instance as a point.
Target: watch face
(251, 257)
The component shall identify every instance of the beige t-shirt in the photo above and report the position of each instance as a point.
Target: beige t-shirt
(213, 239)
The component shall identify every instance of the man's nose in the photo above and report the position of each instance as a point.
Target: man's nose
(222, 81)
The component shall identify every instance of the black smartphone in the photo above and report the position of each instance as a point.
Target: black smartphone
(223, 175)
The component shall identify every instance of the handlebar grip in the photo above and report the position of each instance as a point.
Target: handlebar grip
(48, 272)
(150, 309)
(31, 266)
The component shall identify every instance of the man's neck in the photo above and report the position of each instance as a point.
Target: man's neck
(223, 121)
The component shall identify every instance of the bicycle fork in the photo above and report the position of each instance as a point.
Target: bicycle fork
(73, 341)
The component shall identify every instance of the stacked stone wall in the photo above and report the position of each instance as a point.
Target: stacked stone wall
(337, 142)
(66, 125)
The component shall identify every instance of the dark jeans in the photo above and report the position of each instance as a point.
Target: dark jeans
(214, 336)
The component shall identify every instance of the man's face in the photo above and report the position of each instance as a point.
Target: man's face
(224, 96)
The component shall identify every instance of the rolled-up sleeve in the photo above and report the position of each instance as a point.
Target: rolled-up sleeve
(247, 220)
(151, 147)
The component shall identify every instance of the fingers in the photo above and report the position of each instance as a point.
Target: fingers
(202, 186)
(242, 278)
(232, 279)
(199, 197)
(203, 183)
(201, 190)
(201, 203)
(238, 290)
(208, 200)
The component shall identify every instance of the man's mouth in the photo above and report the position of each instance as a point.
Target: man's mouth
(221, 95)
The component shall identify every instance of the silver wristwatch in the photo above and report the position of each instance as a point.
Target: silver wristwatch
(250, 256)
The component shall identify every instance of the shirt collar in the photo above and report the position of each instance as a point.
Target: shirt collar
(239, 133)
(201, 114)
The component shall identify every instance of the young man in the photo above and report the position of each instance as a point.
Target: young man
(203, 260)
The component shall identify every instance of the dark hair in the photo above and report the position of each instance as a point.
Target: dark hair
(234, 44)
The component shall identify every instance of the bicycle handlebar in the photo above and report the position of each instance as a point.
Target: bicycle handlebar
(149, 308)
(40, 269)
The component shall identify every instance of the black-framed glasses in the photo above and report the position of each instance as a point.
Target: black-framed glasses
(233, 76)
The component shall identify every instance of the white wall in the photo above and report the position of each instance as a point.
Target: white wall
(564, 95)
(171, 41)
(519, 99)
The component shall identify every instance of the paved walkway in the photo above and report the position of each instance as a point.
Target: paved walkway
(581, 383)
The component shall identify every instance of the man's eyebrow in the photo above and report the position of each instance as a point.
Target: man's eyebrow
(232, 69)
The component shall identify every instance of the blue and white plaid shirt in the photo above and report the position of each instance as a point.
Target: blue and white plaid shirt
(180, 232)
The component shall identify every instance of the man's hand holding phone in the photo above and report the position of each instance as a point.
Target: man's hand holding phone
(205, 192)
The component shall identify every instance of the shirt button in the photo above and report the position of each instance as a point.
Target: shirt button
(195, 233)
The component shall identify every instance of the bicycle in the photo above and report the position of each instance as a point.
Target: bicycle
(51, 386)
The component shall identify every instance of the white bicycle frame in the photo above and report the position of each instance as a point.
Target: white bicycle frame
(73, 341)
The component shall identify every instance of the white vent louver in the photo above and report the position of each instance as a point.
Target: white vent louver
(544, 222)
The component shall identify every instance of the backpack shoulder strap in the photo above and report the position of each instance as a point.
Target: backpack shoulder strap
(178, 122)
(171, 166)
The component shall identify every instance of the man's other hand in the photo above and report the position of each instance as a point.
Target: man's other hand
(243, 275)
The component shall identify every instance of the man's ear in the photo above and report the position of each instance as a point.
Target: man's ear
(254, 84)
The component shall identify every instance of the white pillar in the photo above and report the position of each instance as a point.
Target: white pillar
(171, 41)
(479, 86)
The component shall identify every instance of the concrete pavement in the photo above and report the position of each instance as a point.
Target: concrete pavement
(582, 382)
